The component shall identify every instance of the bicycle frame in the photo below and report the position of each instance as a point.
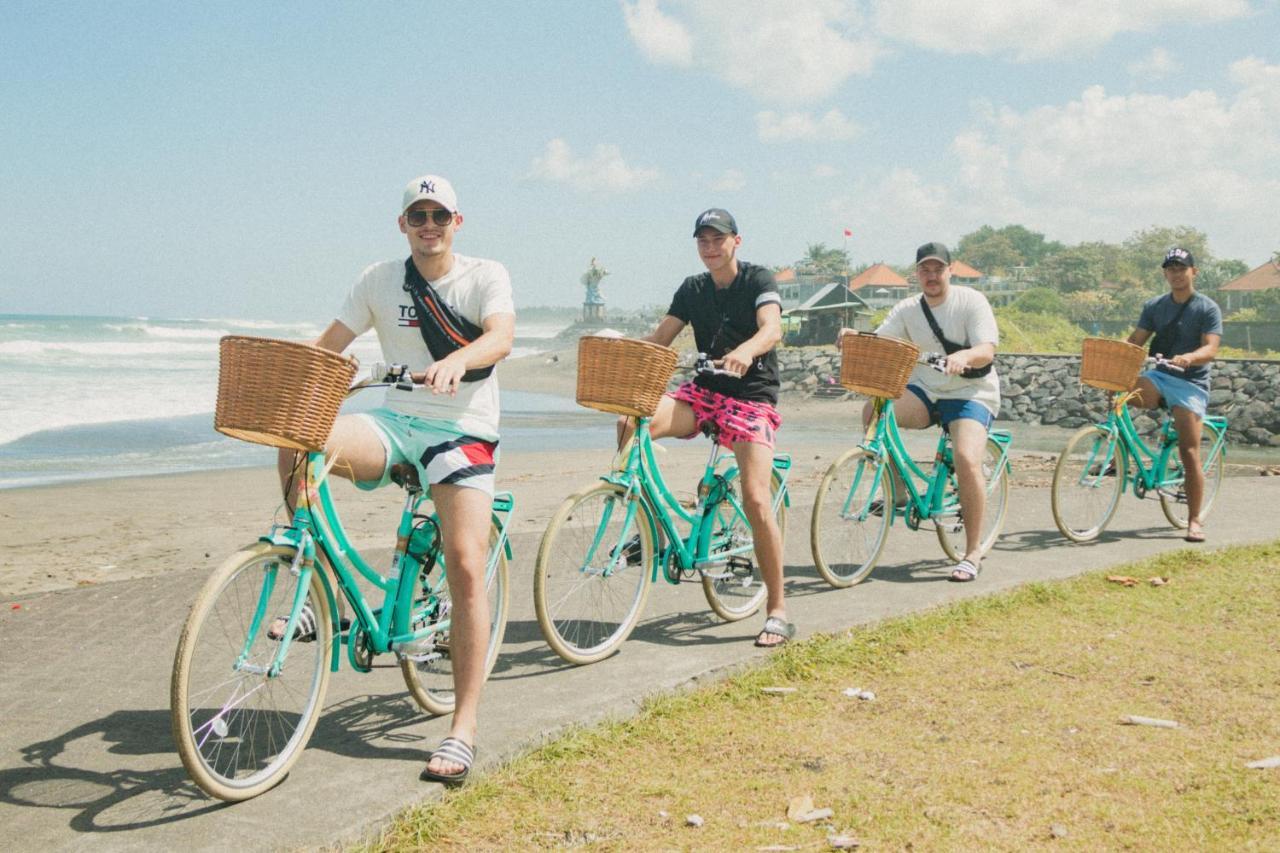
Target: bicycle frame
(1149, 465)
(884, 440)
(315, 524)
(642, 478)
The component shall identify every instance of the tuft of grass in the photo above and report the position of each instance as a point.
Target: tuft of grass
(996, 725)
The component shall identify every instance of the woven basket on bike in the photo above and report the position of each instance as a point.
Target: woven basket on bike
(279, 393)
(623, 376)
(1110, 365)
(876, 365)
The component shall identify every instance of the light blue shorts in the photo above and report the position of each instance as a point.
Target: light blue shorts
(1179, 392)
(438, 449)
(945, 411)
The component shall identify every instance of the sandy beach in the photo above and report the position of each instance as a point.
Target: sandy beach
(101, 531)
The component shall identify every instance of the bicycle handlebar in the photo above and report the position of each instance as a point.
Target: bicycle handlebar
(1160, 361)
(936, 360)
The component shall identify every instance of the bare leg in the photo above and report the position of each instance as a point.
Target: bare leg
(755, 467)
(673, 417)
(968, 445)
(1189, 429)
(464, 531)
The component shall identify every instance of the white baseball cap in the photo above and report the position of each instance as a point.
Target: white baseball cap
(430, 188)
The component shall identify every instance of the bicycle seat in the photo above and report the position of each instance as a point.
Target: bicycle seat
(405, 475)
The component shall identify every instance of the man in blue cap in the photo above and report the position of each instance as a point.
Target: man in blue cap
(1187, 329)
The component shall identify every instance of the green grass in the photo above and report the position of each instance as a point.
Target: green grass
(995, 720)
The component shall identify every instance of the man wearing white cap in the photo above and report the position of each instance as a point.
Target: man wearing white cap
(450, 318)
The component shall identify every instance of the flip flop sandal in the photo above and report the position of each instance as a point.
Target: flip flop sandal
(457, 751)
(305, 630)
(777, 628)
(965, 571)
(1196, 536)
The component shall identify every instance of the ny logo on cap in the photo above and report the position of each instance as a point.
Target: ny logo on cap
(427, 187)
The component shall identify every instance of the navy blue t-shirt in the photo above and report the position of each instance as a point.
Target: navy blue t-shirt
(724, 318)
(1201, 317)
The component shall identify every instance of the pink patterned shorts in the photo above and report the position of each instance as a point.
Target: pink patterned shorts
(737, 420)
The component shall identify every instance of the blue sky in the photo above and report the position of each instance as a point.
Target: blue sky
(247, 159)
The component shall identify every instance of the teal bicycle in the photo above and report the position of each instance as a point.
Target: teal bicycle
(857, 501)
(1101, 460)
(245, 696)
(608, 542)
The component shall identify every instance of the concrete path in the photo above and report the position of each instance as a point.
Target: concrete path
(85, 751)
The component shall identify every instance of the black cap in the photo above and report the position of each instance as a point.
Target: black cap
(1178, 255)
(933, 251)
(717, 218)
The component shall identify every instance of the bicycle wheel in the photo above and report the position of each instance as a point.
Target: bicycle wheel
(1173, 497)
(951, 527)
(736, 590)
(845, 537)
(239, 730)
(1087, 483)
(429, 674)
(592, 576)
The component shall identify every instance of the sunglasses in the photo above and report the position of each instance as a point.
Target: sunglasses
(439, 216)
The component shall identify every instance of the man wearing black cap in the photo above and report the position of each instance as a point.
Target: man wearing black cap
(736, 315)
(1188, 329)
(966, 398)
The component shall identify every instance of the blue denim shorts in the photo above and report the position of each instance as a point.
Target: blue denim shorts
(946, 411)
(1177, 391)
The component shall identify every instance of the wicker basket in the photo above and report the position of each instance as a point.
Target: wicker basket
(1110, 365)
(623, 376)
(279, 393)
(876, 365)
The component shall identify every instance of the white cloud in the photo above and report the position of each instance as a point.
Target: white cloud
(603, 171)
(731, 181)
(1036, 29)
(1156, 65)
(660, 37)
(825, 170)
(779, 52)
(1099, 167)
(831, 125)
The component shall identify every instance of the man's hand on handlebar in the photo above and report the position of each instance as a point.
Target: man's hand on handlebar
(445, 375)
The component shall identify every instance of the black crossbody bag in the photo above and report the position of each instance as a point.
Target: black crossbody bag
(443, 330)
(968, 372)
(1159, 344)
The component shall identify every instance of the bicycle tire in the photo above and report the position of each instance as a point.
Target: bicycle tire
(951, 534)
(1174, 504)
(585, 615)
(724, 588)
(253, 711)
(1097, 491)
(844, 549)
(430, 681)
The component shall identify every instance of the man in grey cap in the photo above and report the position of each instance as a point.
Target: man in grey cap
(450, 318)
(1187, 329)
(965, 399)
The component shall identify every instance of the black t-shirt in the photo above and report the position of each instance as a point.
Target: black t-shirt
(722, 319)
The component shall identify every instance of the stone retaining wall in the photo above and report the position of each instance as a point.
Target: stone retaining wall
(1045, 389)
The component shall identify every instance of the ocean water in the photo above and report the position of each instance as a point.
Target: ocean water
(91, 397)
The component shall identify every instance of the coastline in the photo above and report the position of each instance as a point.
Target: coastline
(92, 532)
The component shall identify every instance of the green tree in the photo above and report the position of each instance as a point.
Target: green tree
(1083, 267)
(1085, 305)
(998, 250)
(822, 259)
(1267, 304)
(1144, 250)
(1039, 300)
(1216, 273)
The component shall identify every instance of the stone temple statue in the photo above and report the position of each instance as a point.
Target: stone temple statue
(591, 281)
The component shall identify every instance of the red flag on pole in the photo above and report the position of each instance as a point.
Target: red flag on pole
(848, 233)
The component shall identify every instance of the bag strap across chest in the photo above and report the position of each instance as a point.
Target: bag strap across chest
(443, 330)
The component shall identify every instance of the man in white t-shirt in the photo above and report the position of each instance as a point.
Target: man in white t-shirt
(447, 430)
(965, 405)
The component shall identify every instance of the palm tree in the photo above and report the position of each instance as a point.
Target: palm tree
(833, 262)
